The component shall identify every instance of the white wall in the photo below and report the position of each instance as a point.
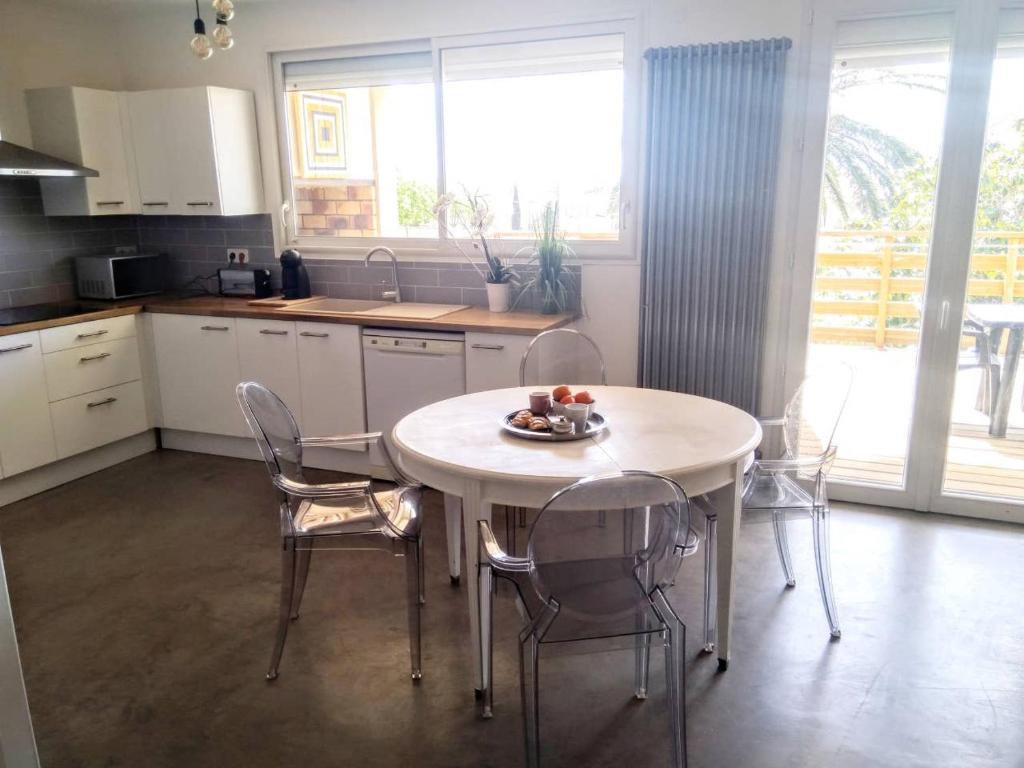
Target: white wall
(42, 44)
(150, 41)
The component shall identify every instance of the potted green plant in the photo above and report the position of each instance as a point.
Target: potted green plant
(553, 283)
(470, 216)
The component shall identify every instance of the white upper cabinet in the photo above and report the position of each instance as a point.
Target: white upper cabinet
(196, 151)
(87, 127)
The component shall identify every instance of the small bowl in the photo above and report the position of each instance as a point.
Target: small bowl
(557, 408)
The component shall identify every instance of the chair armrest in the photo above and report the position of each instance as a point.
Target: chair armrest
(495, 555)
(802, 464)
(363, 437)
(776, 421)
(322, 490)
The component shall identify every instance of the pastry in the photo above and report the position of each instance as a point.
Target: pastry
(538, 423)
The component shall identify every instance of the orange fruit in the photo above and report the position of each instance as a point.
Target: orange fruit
(567, 400)
(559, 392)
(584, 397)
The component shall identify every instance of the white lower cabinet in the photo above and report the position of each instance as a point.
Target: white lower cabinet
(75, 371)
(96, 418)
(331, 380)
(267, 354)
(26, 433)
(492, 360)
(197, 367)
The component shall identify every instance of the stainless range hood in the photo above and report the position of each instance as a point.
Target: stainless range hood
(16, 160)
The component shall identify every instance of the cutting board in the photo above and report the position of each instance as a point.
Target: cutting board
(277, 302)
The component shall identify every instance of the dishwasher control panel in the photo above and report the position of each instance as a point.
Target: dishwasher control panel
(414, 345)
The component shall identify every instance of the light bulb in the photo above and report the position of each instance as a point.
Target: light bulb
(200, 42)
(224, 8)
(222, 35)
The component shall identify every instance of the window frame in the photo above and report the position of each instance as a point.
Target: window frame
(442, 248)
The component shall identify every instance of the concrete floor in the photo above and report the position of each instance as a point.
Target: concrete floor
(145, 599)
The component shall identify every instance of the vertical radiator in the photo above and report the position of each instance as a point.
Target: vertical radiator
(714, 114)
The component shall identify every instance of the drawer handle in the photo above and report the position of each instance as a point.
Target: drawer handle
(100, 356)
(200, 202)
(90, 335)
(15, 349)
(110, 202)
(269, 332)
(496, 347)
(161, 203)
(214, 328)
(104, 401)
(314, 334)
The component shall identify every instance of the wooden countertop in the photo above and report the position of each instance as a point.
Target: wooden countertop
(473, 319)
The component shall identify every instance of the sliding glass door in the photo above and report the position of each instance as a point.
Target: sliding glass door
(919, 274)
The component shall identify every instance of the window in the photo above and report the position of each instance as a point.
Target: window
(372, 138)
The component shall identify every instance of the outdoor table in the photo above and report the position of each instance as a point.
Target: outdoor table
(996, 319)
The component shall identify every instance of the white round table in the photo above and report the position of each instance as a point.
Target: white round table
(458, 446)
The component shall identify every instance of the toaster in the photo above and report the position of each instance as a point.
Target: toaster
(254, 283)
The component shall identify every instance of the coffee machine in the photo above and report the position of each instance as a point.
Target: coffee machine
(294, 277)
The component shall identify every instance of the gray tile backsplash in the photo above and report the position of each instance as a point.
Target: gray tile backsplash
(37, 252)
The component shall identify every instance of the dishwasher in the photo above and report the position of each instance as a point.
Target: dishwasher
(406, 370)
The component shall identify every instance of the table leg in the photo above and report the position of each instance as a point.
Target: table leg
(1001, 408)
(473, 510)
(453, 523)
(728, 503)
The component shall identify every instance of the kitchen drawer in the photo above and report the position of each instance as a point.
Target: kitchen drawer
(76, 371)
(97, 418)
(492, 360)
(91, 332)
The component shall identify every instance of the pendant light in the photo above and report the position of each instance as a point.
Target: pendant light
(200, 44)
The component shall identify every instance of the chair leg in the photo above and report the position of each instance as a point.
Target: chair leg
(710, 584)
(675, 679)
(485, 595)
(782, 544)
(643, 663)
(529, 679)
(414, 590)
(822, 558)
(453, 524)
(284, 611)
(422, 575)
(303, 555)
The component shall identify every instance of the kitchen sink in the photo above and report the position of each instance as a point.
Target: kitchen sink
(406, 310)
(338, 306)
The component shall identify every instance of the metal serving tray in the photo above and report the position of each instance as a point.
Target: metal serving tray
(596, 424)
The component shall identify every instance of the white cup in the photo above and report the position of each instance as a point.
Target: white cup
(577, 413)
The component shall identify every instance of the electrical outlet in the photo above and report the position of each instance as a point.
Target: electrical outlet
(238, 256)
(121, 250)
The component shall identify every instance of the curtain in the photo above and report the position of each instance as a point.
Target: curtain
(713, 122)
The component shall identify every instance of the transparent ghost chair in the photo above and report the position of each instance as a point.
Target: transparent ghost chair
(583, 579)
(562, 356)
(793, 481)
(348, 515)
(558, 356)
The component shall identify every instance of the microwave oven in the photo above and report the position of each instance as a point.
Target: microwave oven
(120, 276)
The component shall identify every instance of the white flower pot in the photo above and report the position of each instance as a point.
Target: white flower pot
(499, 296)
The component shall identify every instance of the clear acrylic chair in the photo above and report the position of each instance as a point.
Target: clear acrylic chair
(795, 481)
(587, 580)
(562, 356)
(348, 515)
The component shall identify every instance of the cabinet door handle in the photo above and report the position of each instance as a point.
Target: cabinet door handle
(200, 202)
(214, 328)
(161, 203)
(271, 332)
(110, 202)
(496, 347)
(15, 349)
(100, 356)
(104, 401)
(314, 334)
(91, 335)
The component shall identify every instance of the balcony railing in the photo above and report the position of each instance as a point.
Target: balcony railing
(869, 284)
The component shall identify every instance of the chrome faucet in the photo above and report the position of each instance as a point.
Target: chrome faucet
(395, 294)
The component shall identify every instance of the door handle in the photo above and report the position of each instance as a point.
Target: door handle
(110, 202)
(944, 315)
(270, 332)
(100, 356)
(91, 335)
(161, 203)
(200, 202)
(105, 401)
(214, 328)
(496, 347)
(15, 349)
(314, 334)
